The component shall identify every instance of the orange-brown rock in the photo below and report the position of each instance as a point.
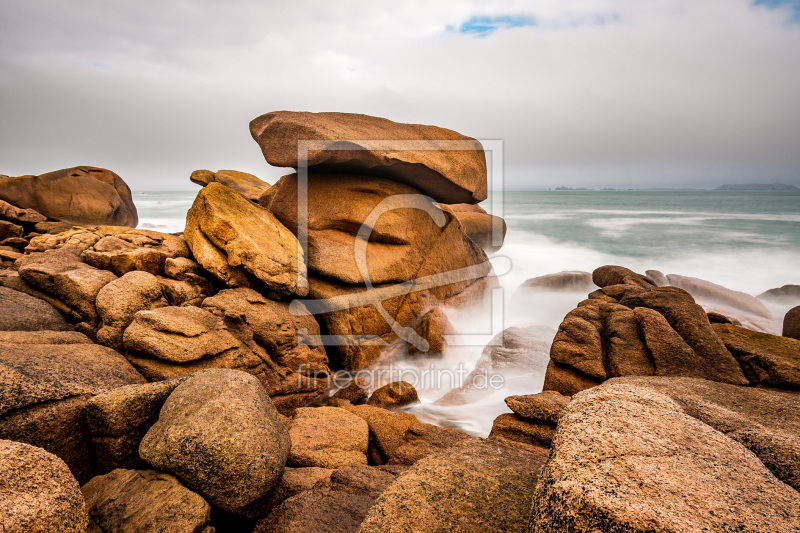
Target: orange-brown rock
(88, 196)
(769, 360)
(396, 394)
(545, 406)
(441, 163)
(327, 437)
(485, 230)
(245, 184)
(240, 243)
(617, 275)
(791, 323)
(510, 426)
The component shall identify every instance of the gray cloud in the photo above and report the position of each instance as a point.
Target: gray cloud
(666, 92)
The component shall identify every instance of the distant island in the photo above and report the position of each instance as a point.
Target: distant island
(757, 187)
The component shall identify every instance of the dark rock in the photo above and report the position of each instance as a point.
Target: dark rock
(20, 216)
(791, 323)
(617, 275)
(396, 394)
(130, 501)
(38, 492)
(80, 195)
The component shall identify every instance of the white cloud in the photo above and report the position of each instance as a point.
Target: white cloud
(665, 90)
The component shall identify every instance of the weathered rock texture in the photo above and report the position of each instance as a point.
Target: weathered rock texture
(485, 230)
(626, 458)
(791, 323)
(449, 172)
(245, 184)
(219, 433)
(43, 393)
(88, 196)
(327, 437)
(37, 492)
(396, 394)
(132, 501)
(473, 486)
(242, 244)
(118, 302)
(22, 312)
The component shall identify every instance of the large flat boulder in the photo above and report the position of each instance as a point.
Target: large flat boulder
(240, 243)
(219, 433)
(88, 196)
(627, 458)
(473, 486)
(37, 492)
(448, 171)
(43, 393)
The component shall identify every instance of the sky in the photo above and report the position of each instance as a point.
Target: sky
(582, 93)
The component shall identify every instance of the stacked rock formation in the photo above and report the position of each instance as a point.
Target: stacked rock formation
(366, 204)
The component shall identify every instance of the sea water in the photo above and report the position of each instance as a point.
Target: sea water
(745, 241)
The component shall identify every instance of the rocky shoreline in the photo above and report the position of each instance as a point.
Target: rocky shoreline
(177, 382)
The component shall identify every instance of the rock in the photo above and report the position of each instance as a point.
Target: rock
(236, 241)
(445, 165)
(43, 393)
(37, 492)
(52, 227)
(180, 293)
(356, 391)
(516, 357)
(9, 230)
(43, 337)
(219, 433)
(174, 341)
(617, 275)
(120, 418)
(20, 216)
(546, 406)
(297, 480)
(63, 275)
(511, 427)
(566, 380)
(184, 269)
(327, 437)
(118, 302)
(763, 421)
(658, 277)
(144, 500)
(485, 230)
(83, 195)
(434, 327)
(791, 323)
(473, 486)
(784, 294)
(568, 280)
(338, 506)
(626, 458)
(399, 438)
(394, 395)
(747, 310)
(245, 184)
(21, 312)
(768, 360)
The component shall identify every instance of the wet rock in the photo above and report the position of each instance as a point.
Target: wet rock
(658, 277)
(396, 394)
(38, 492)
(327, 437)
(337, 506)
(21, 312)
(220, 434)
(43, 393)
(144, 500)
(450, 172)
(568, 280)
(83, 195)
(768, 360)
(627, 458)
(239, 242)
(473, 486)
(245, 184)
(120, 418)
(791, 323)
(485, 230)
(118, 302)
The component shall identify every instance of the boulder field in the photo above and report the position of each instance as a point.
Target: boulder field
(178, 382)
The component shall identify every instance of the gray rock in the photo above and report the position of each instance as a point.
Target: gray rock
(219, 433)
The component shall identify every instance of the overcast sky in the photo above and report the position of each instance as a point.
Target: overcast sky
(582, 92)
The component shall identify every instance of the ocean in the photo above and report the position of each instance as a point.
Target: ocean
(745, 241)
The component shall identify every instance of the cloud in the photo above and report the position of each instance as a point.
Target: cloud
(597, 93)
